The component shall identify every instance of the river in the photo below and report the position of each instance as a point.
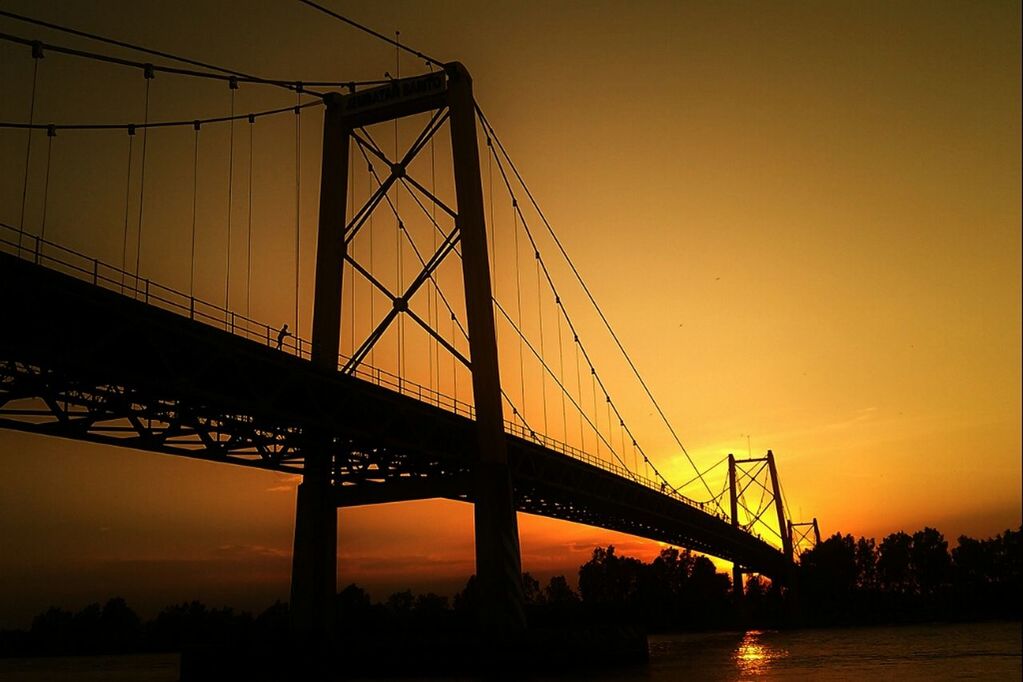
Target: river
(984, 651)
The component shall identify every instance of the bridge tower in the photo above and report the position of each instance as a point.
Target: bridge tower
(803, 534)
(498, 563)
(742, 474)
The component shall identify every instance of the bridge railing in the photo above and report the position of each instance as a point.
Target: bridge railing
(70, 262)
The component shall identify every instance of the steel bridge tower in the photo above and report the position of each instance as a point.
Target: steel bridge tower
(750, 469)
(498, 563)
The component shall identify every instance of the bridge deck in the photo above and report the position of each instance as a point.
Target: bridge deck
(79, 361)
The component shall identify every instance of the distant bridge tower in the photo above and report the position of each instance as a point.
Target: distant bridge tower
(804, 535)
(743, 473)
(498, 563)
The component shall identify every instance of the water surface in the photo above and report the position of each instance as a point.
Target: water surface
(985, 651)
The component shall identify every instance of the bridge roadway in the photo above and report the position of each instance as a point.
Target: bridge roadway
(80, 361)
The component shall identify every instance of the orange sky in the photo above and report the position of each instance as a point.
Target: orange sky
(803, 221)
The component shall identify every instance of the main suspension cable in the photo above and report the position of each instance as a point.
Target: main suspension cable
(578, 276)
(371, 32)
(156, 124)
(224, 73)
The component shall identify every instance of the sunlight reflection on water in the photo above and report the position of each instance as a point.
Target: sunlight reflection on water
(754, 657)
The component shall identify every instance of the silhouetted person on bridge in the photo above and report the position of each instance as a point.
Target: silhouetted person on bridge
(281, 336)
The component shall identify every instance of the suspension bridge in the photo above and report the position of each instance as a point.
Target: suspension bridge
(430, 349)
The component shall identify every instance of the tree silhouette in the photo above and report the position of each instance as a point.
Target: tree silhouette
(894, 563)
(929, 560)
(531, 592)
(866, 563)
(609, 579)
(559, 593)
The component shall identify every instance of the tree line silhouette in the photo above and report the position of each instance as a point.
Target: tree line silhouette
(905, 578)
(841, 581)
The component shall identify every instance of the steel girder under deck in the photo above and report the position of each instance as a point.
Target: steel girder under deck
(85, 363)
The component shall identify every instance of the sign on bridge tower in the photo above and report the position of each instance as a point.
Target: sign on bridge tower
(449, 96)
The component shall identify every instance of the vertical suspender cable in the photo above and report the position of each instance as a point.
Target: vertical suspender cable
(610, 432)
(351, 271)
(596, 415)
(400, 288)
(37, 54)
(579, 392)
(51, 132)
(148, 74)
(195, 194)
(372, 293)
(432, 291)
(248, 230)
(561, 373)
(298, 213)
(401, 225)
(543, 353)
(454, 366)
(127, 196)
(233, 86)
(518, 298)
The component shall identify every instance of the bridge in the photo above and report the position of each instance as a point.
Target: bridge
(102, 351)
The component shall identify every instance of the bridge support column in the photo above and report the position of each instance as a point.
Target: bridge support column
(734, 499)
(783, 526)
(314, 560)
(498, 562)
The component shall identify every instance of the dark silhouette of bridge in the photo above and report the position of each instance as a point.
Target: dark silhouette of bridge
(98, 353)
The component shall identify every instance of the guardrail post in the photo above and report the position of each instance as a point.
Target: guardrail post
(37, 249)
(95, 271)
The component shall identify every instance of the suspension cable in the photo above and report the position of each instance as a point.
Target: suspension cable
(50, 134)
(233, 86)
(37, 54)
(372, 291)
(400, 278)
(224, 74)
(147, 74)
(432, 291)
(561, 371)
(195, 194)
(371, 32)
(127, 196)
(589, 294)
(543, 351)
(156, 124)
(547, 368)
(518, 299)
(298, 216)
(248, 229)
(351, 271)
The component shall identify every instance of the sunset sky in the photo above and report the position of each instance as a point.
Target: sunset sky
(803, 220)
